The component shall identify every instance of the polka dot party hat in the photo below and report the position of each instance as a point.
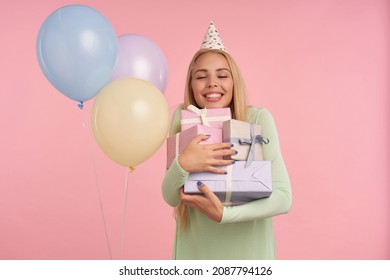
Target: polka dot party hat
(212, 40)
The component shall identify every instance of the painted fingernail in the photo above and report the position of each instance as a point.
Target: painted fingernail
(208, 135)
(199, 183)
(233, 161)
(225, 172)
(236, 152)
(231, 145)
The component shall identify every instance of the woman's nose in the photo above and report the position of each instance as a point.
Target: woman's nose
(211, 83)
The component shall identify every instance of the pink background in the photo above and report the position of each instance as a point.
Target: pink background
(321, 67)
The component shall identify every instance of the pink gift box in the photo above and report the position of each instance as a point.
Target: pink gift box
(177, 143)
(240, 185)
(207, 117)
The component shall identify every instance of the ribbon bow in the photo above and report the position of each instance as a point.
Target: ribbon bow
(254, 139)
(202, 113)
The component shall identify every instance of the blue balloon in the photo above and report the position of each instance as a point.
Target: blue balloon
(77, 51)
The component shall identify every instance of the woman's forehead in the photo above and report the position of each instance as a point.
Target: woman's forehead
(210, 62)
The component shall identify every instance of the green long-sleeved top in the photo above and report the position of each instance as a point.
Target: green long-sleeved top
(245, 231)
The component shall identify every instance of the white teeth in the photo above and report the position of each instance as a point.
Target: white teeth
(213, 95)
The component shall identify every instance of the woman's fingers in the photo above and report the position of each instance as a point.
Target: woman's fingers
(224, 152)
(198, 157)
(219, 146)
(199, 138)
(216, 170)
(208, 203)
(220, 149)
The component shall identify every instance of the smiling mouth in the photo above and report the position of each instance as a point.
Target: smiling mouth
(213, 95)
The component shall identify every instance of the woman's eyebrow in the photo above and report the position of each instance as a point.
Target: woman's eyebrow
(200, 70)
(223, 69)
(205, 70)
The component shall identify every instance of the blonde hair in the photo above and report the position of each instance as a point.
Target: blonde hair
(238, 107)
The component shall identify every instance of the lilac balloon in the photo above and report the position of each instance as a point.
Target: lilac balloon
(140, 57)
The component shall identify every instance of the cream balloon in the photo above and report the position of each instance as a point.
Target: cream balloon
(130, 120)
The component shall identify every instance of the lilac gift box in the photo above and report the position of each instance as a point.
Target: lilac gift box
(206, 117)
(240, 185)
(247, 140)
(177, 143)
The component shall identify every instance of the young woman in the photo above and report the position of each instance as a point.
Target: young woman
(206, 229)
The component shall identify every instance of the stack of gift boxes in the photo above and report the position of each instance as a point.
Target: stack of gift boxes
(249, 178)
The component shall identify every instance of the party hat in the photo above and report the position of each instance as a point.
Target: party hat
(212, 40)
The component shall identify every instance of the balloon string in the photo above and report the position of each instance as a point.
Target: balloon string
(124, 213)
(102, 211)
(83, 118)
(99, 194)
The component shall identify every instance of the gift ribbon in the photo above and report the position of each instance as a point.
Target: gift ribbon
(229, 169)
(252, 141)
(203, 119)
(202, 113)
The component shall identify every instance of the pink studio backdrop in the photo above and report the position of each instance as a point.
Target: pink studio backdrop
(322, 69)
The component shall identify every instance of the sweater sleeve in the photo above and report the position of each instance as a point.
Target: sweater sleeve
(175, 177)
(281, 198)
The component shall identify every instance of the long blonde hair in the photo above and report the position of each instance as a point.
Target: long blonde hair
(238, 107)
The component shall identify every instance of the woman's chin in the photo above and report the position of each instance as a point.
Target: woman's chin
(215, 104)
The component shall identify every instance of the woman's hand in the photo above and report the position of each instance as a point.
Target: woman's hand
(205, 157)
(208, 203)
